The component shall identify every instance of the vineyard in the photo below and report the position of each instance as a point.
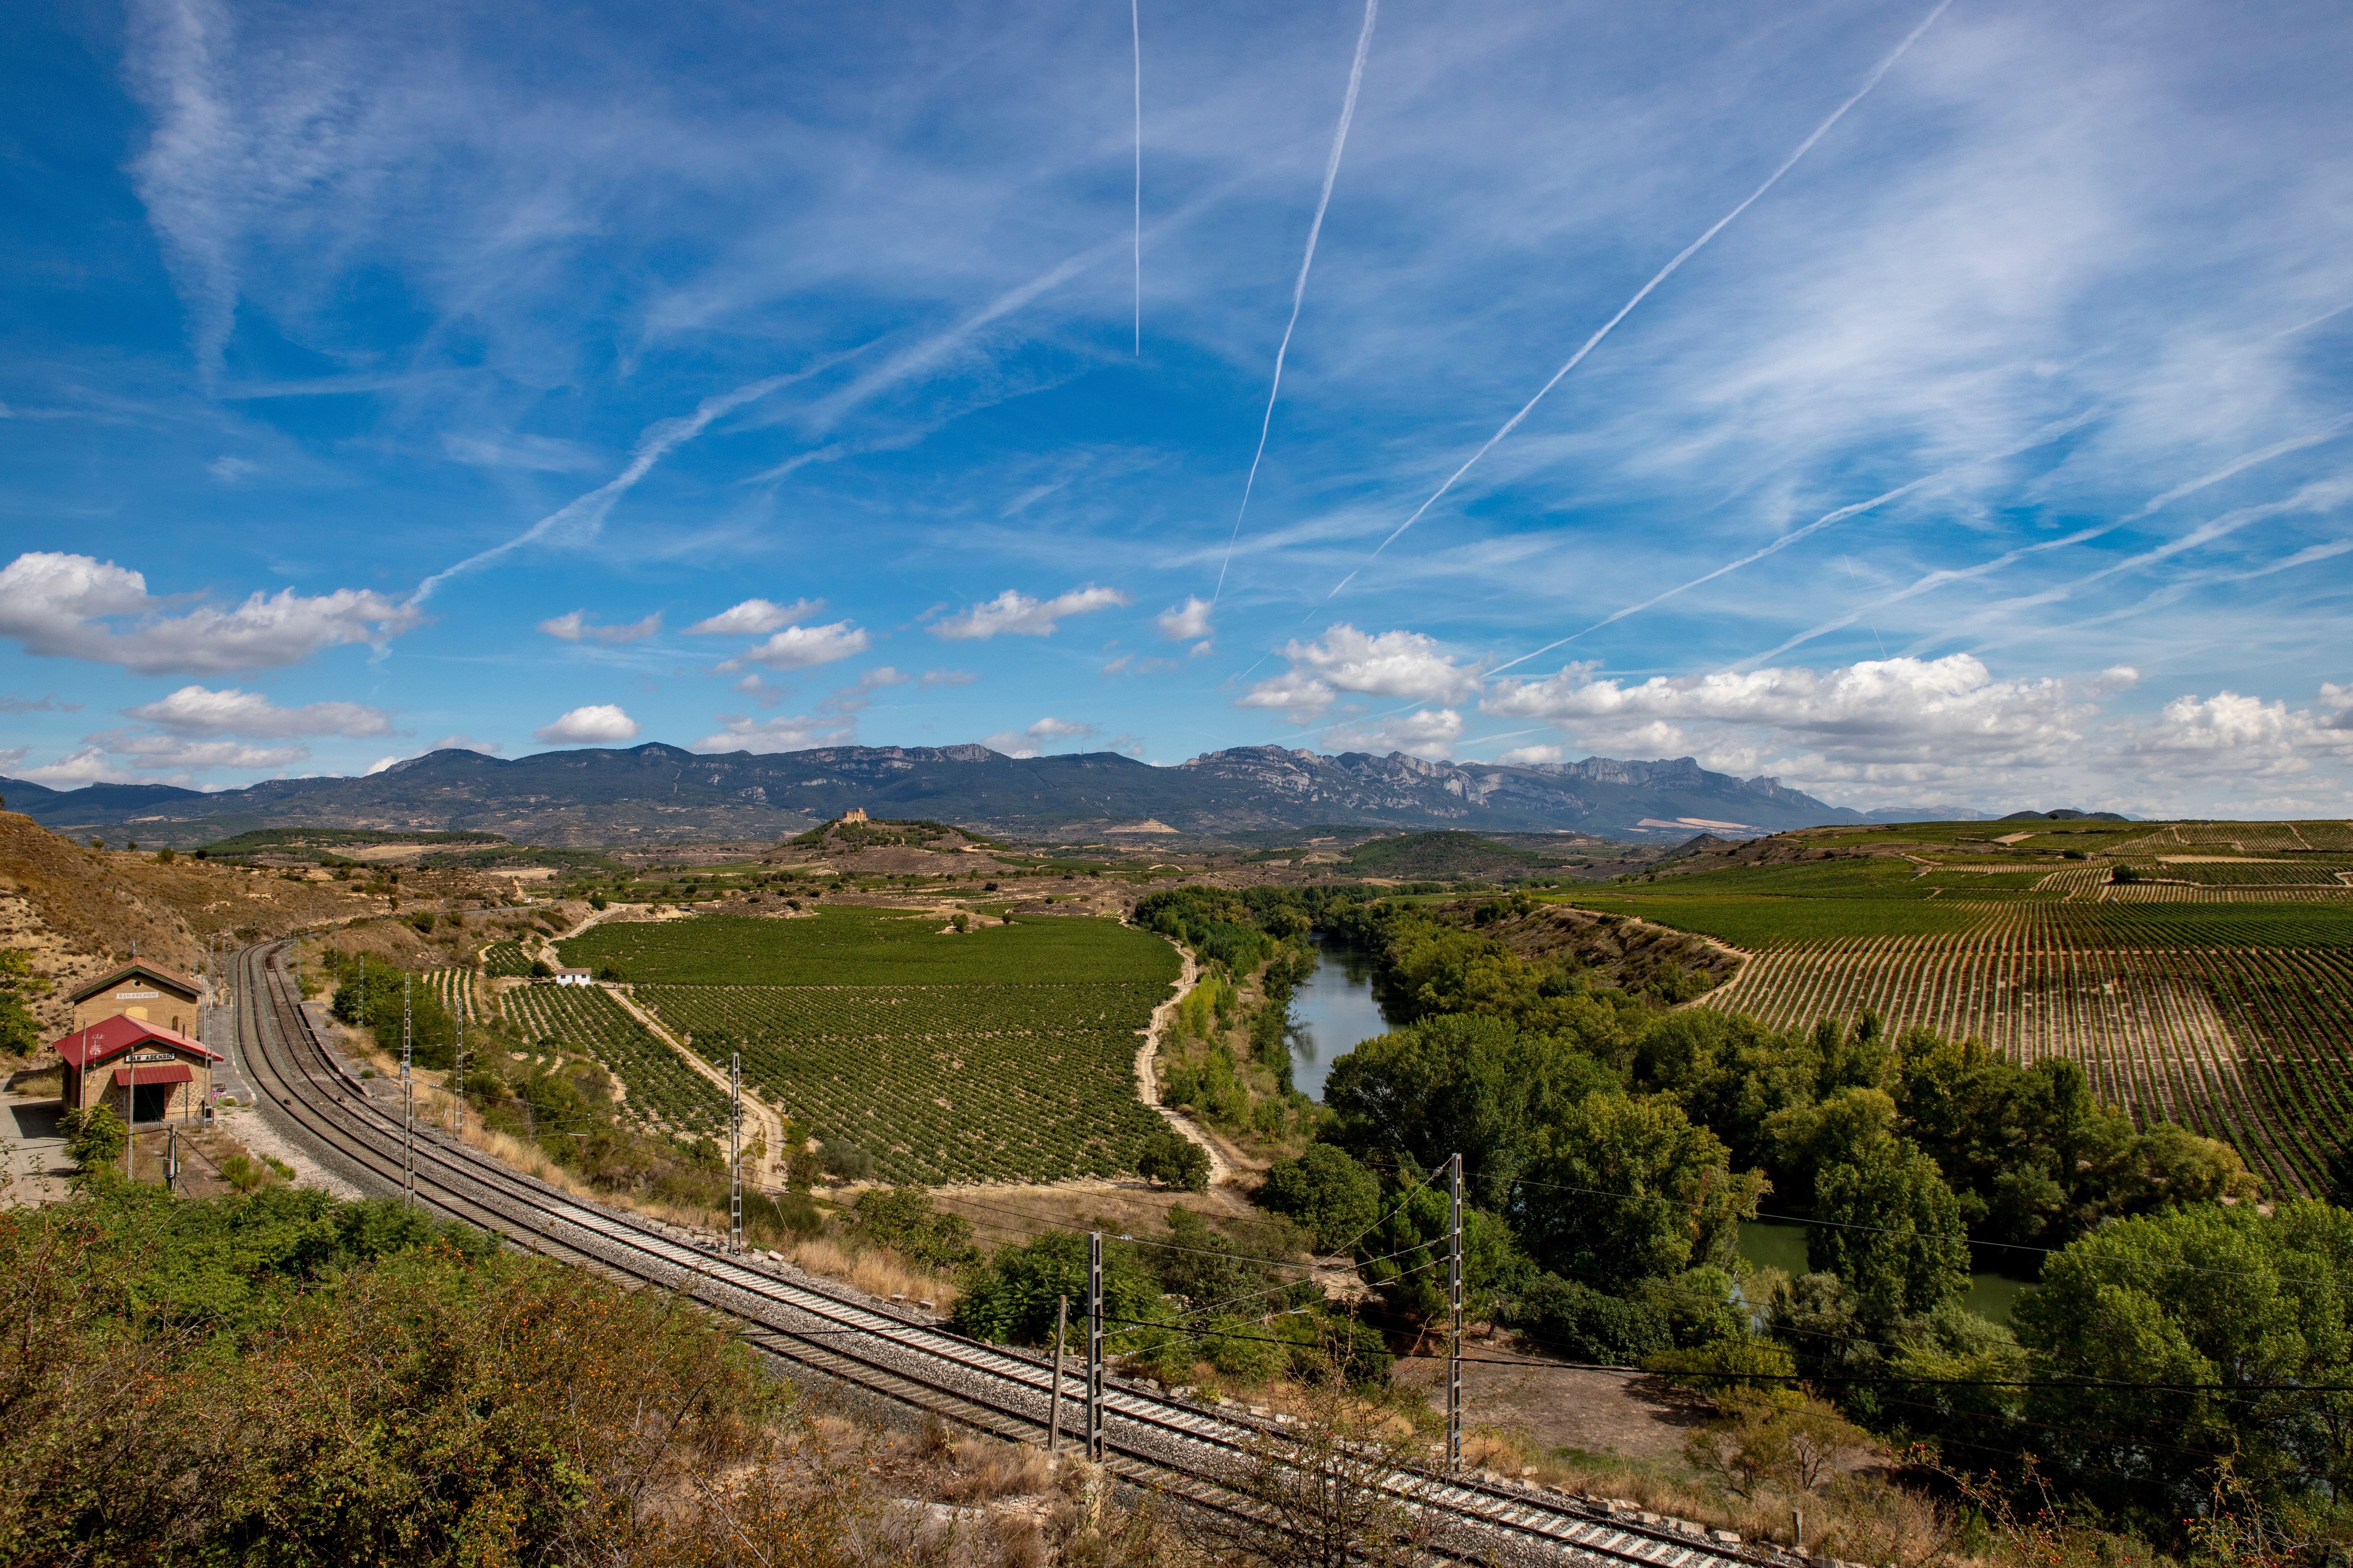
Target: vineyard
(662, 1092)
(505, 958)
(2214, 988)
(1003, 1055)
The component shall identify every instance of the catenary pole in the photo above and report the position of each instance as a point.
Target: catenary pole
(1055, 1405)
(407, 1099)
(1095, 1347)
(460, 1065)
(1454, 1314)
(735, 1151)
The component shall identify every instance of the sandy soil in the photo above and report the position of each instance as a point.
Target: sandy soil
(1626, 1413)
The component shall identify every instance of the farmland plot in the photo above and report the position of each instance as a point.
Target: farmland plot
(663, 1092)
(2216, 991)
(1003, 1055)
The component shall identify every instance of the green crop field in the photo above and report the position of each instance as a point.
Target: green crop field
(2216, 989)
(856, 946)
(662, 1091)
(1003, 1055)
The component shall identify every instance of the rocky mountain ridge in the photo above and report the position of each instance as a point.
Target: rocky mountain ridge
(654, 793)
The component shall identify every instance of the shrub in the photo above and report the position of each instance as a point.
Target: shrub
(539, 970)
(902, 1219)
(95, 1136)
(1174, 1160)
(846, 1160)
(1569, 1319)
(1326, 1191)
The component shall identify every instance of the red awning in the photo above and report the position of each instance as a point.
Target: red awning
(155, 1072)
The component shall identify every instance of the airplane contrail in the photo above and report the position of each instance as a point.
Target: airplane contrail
(1298, 288)
(1135, 34)
(2043, 436)
(1663, 275)
(588, 512)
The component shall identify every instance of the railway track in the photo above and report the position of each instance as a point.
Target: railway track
(1153, 1439)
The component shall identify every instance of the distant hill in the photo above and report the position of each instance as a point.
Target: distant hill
(657, 793)
(1444, 853)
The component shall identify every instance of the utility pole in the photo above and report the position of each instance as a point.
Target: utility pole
(408, 1100)
(1055, 1405)
(460, 1070)
(1095, 1347)
(735, 1152)
(1455, 1308)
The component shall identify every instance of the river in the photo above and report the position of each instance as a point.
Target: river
(1332, 1011)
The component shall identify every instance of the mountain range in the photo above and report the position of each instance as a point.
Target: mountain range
(654, 793)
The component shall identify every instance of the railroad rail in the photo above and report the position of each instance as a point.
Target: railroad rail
(318, 1101)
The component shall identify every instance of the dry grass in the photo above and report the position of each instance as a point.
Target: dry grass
(1861, 1515)
(878, 1271)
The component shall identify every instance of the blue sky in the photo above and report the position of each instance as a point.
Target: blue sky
(514, 376)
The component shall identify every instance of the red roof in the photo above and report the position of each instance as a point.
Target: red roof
(155, 1072)
(152, 972)
(87, 1048)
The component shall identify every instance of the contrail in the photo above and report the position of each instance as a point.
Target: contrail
(588, 511)
(1663, 274)
(1299, 288)
(1135, 34)
(2042, 437)
(2229, 523)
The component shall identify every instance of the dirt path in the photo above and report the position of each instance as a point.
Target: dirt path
(763, 1120)
(1147, 1080)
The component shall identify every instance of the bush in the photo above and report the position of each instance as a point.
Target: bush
(902, 1219)
(1174, 1160)
(1011, 1299)
(95, 1136)
(846, 1160)
(1326, 1191)
(539, 970)
(598, 902)
(1576, 1321)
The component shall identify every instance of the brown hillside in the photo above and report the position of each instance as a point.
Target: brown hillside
(1632, 953)
(75, 912)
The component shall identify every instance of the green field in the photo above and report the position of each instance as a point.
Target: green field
(856, 946)
(660, 1092)
(2210, 990)
(1006, 1055)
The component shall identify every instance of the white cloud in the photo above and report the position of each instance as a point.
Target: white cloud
(1016, 613)
(601, 723)
(88, 765)
(157, 753)
(1052, 729)
(937, 677)
(576, 627)
(740, 734)
(755, 618)
(539, 454)
(229, 470)
(802, 647)
(1527, 756)
(195, 711)
(1426, 733)
(464, 742)
(1011, 743)
(58, 606)
(852, 698)
(1389, 664)
(1187, 621)
(12, 755)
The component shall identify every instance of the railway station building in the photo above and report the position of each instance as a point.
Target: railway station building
(141, 1071)
(143, 991)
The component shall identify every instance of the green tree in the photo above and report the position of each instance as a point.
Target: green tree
(1625, 1187)
(1326, 1191)
(1891, 1231)
(1011, 1299)
(95, 1138)
(1173, 1160)
(2236, 1307)
(20, 1033)
(904, 1220)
